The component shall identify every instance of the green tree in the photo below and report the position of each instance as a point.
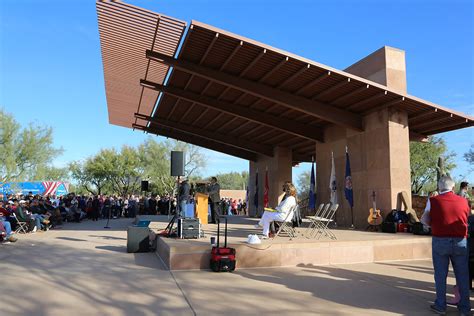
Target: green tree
(22, 150)
(424, 160)
(233, 180)
(469, 157)
(303, 184)
(125, 171)
(156, 164)
(50, 173)
(92, 174)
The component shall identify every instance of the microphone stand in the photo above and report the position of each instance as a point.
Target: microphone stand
(108, 219)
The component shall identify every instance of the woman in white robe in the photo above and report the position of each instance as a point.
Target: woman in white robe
(280, 212)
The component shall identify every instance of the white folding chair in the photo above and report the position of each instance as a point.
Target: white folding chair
(286, 226)
(314, 221)
(324, 223)
(22, 227)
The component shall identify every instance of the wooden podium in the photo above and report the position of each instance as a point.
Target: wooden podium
(202, 207)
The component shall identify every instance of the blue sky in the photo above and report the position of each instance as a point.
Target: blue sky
(51, 67)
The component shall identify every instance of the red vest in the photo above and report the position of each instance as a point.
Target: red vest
(449, 214)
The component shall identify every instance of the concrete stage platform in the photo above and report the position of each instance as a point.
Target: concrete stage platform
(351, 246)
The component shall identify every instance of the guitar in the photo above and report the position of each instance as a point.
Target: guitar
(375, 218)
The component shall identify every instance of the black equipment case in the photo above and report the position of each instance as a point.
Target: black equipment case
(189, 228)
(222, 258)
(389, 227)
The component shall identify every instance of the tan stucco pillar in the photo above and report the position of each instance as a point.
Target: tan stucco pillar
(380, 156)
(380, 162)
(385, 66)
(279, 170)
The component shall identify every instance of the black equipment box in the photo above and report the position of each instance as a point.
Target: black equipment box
(222, 258)
(189, 228)
(389, 227)
(138, 239)
(420, 229)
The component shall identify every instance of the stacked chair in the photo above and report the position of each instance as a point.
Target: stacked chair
(319, 223)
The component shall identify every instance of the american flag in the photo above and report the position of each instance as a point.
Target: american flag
(50, 187)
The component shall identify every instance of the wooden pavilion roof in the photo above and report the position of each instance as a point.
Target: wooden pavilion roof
(232, 94)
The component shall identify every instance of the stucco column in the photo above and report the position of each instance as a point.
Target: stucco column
(279, 170)
(380, 162)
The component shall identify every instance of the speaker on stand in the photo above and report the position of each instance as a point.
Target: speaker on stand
(177, 170)
(145, 186)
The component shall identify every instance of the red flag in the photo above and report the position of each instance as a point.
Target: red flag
(265, 192)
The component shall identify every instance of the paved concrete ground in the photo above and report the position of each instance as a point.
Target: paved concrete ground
(84, 269)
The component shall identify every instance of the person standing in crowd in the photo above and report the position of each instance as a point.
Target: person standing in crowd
(152, 205)
(447, 215)
(463, 190)
(184, 190)
(163, 205)
(213, 189)
(95, 208)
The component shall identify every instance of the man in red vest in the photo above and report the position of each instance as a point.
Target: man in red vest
(447, 215)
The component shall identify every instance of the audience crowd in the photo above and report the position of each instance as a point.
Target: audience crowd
(40, 213)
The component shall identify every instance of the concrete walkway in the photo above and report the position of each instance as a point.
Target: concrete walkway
(84, 269)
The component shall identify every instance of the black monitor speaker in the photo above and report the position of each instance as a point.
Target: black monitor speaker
(177, 163)
(145, 186)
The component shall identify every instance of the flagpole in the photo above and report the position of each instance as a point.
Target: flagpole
(335, 214)
(352, 209)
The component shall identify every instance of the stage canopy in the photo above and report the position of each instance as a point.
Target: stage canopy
(209, 87)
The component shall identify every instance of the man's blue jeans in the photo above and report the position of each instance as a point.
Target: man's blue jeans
(456, 250)
(8, 227)
(182, 208)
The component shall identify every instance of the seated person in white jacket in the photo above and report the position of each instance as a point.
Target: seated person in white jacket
(281, 211)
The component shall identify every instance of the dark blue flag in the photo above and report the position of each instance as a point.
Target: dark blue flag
(312, 193)
(348, 182)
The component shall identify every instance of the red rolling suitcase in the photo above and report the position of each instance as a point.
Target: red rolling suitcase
(222, 258)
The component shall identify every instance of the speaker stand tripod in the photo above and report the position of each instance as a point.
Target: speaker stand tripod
(177, 213)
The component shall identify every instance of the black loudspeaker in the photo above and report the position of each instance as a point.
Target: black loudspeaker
(145, 186)
(177, 163)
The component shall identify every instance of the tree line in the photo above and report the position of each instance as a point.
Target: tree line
(26, 154)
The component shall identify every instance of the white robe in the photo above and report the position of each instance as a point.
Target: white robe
(282, 211)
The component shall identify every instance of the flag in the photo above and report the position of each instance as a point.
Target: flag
(348, 182)
(255, 198)
(312, 193)
(332, 182)
(265, 192)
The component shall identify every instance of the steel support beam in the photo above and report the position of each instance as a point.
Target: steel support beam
(244, 144)
(297, 129)
(199, 141)
(298, 103)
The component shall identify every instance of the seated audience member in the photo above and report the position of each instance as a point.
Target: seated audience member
(6, 228)
(281, 211)
(39, 213)
(23, 215)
